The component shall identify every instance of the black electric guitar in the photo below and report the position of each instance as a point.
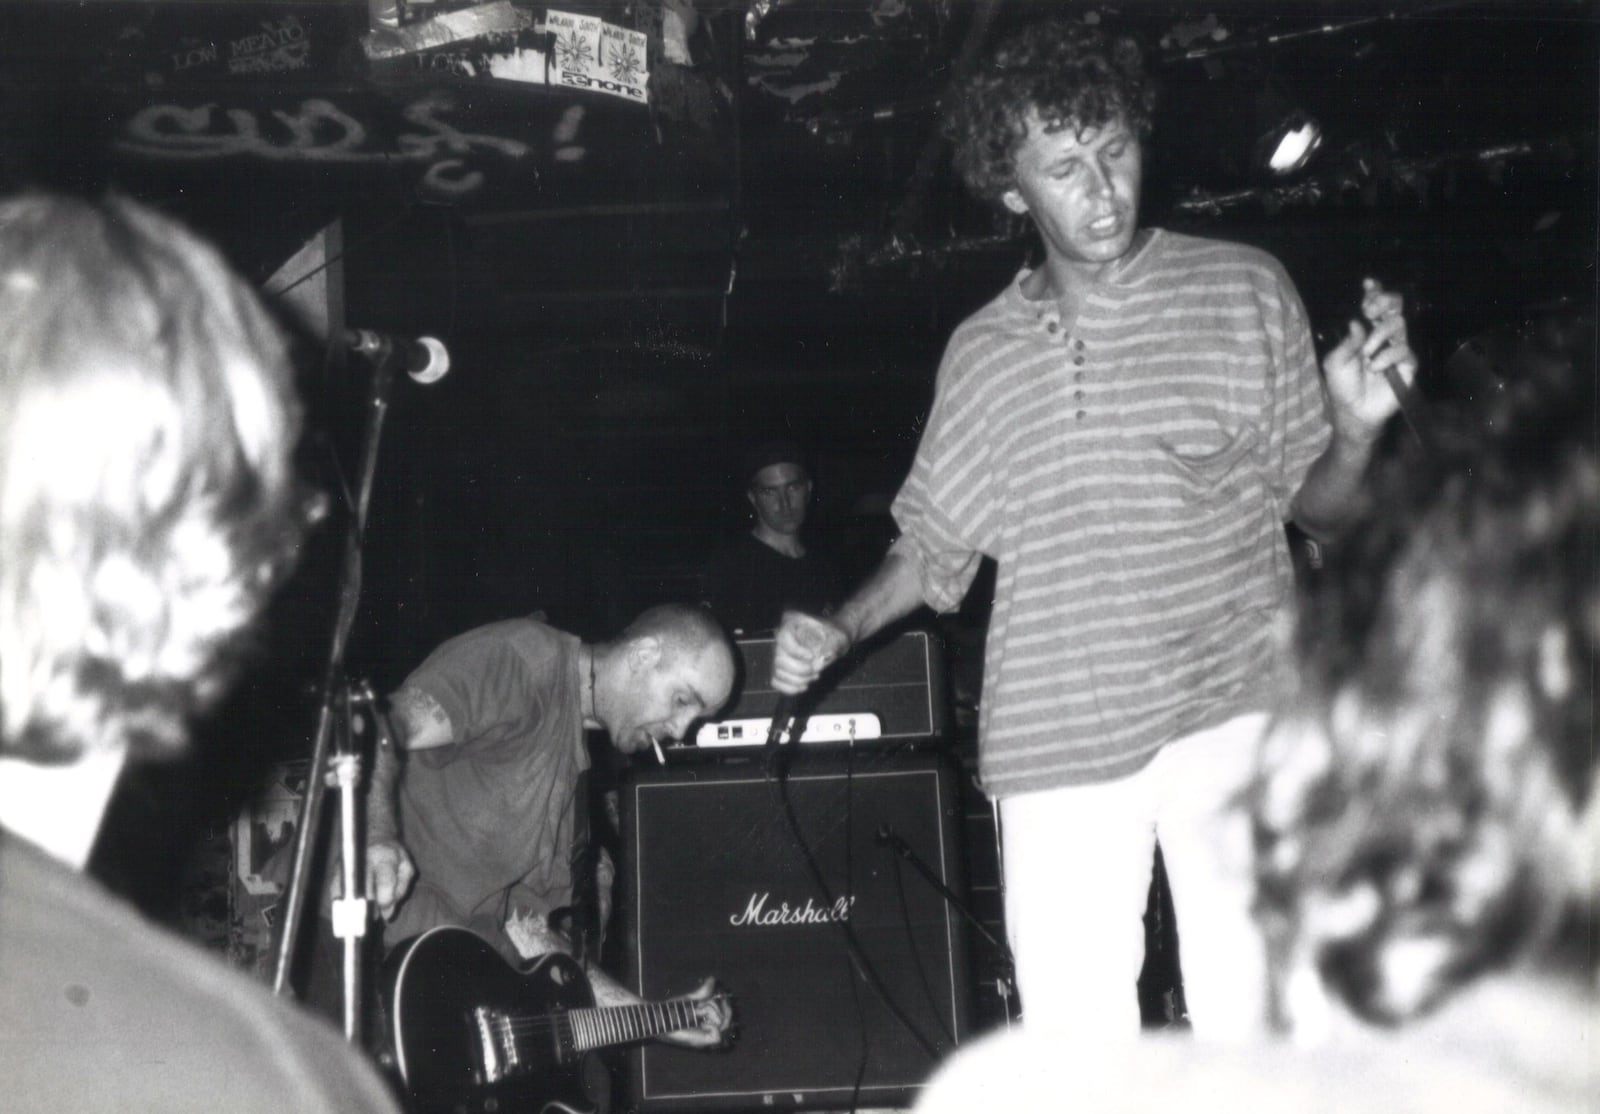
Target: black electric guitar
(472, 1033)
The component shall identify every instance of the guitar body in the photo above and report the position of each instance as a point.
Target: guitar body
(475, 1036)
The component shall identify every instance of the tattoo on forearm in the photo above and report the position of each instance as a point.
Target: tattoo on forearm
(416, 712)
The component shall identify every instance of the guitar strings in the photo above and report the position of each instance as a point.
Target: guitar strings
(541, 1023)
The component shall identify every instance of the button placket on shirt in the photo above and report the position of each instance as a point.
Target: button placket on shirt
(1052, 326)
(1079, 376)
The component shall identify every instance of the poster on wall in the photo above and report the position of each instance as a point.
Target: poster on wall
(595, 55)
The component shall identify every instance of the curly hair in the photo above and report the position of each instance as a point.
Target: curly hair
(1419, 810)
(1071, 74)
(147, 422)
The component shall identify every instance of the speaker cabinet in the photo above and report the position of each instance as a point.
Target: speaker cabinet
(716, 884)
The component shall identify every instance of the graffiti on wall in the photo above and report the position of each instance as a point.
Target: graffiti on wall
(320, 131)
(272, 46)
(276, 46)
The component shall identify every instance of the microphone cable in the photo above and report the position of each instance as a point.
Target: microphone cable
(923, 978)
(777, 780)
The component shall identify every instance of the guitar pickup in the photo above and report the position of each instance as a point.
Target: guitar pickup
(497, 1046)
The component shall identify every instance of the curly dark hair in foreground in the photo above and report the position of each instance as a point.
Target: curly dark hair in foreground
(147, 420)
(1071, 74)
(1421, 812)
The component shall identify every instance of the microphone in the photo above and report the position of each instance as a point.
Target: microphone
(426, 358)
(782, 716)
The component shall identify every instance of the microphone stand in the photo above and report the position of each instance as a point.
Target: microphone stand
(887, 837)
(342, 767)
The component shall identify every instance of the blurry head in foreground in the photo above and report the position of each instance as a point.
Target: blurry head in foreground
(1427, 811)
(147, 419)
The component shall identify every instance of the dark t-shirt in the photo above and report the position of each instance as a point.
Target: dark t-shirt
(749, 585)
(101, 1011)
(489, 820)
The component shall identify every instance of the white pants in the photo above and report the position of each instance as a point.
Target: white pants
(1077, 876)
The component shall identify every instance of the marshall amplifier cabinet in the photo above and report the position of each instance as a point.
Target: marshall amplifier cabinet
(898, 679)
(717, 885)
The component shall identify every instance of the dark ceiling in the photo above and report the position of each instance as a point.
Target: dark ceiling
(776, 242)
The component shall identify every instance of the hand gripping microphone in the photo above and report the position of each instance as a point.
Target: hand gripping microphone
(426, 359)
(783, 713)
(787, 706)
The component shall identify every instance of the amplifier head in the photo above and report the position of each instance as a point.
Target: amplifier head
(897, 677)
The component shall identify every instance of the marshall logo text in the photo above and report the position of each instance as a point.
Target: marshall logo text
(757, 913)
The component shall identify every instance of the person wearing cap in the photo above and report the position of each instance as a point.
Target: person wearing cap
(770, 568)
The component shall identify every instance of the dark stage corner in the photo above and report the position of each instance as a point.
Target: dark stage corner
(738, 223)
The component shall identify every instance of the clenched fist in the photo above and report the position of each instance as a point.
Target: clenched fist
(390, 873)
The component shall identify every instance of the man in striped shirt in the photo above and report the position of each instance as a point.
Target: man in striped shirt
(1124, 429)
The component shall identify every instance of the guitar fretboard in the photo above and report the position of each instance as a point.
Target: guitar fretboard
(608, 1025)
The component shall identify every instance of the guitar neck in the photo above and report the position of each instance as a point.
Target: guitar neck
(602, 1026)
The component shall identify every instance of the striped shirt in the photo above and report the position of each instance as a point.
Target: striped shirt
(1130, 472)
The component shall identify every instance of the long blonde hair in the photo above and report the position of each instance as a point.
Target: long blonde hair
(147, 422)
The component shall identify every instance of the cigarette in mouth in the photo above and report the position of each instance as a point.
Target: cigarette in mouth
(661, 758)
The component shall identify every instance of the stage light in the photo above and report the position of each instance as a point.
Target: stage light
(1291, 145)
(1287, 135)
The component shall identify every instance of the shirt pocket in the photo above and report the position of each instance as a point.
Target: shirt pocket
(1215, 477)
